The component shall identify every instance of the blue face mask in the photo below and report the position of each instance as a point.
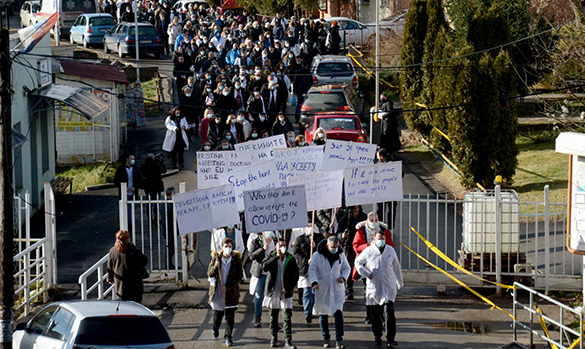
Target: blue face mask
(224, 147)
(228, 137)
(230, 227)
(380, 243)
(132, 162)
(334, 250)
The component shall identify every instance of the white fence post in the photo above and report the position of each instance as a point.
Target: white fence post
(184, 243)
(27, 219)
(123, 207)
(498, 211)
(546, 240)
(51, 251)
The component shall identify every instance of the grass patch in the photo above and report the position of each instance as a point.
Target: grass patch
(149, 89)
(87, 175)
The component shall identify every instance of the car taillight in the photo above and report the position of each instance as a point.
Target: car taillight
(306, 108)
(158, 41)
(130, 41)
(362, 139)
(315, 80)
(342, 107)
(89, 28)
(354, 81)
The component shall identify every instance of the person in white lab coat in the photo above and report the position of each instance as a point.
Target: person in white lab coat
(176, 145)
(379, 264)
(228, 232)
(328, 273)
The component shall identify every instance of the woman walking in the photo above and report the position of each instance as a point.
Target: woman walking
(125, 268)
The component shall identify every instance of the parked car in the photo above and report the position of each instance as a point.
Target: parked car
(68, 10)
(333, 69)
(92, 324)
(28, 13)
(334, 97)
(361, 34)
(89, 29)
(342, 125)
(182, 5)
(121, 39)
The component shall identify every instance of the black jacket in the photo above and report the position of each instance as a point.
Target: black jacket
(280, 129)
(348, 223)
(121, 176)
(125, 271)
(302, 250)
(290, 274)
(257, 255)
(152, 174)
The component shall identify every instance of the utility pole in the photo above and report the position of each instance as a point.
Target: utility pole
(136, 38)
(377, 72)
(6, 201)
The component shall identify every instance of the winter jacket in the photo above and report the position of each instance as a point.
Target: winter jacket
(290, 275)
(360, 242)
(302, 251)
(235, 275)
(125, 271)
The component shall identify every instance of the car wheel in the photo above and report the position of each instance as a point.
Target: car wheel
(71, 41)
(120, 53)
(106, 49)
(85, 44)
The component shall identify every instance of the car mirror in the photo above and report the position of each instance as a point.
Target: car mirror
(21, 326)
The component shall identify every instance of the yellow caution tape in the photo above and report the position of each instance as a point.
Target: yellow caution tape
(431, 117)
(544, 329)
(462, 284)
(353, 58)
(453, 263)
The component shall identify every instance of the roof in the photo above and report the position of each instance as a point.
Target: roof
(570, 143)
(87, 103)
(92, 15)
(334, 114)
(331, 58)
(140, 24)
(329, 87)
(93, 71)
(83, 309)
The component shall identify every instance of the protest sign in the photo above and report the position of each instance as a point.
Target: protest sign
(323, 190)
(206, 209)
(212, 164)
(262, 148)
(291, 161)
(342, 154)
(371, 184)
(275, 209)
(256, 177)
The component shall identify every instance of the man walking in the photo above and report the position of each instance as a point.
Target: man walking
(379, 264)
(225, 271)
(328, 272)
(282, 276)
(304, 246)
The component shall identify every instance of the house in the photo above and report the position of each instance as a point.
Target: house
(361, 10)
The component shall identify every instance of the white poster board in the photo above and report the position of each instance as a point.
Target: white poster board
(262, 148)
(577, 192)
(275, 209)
(256, 177)
(212, 164)
(323, 190)
(291, 161)
(342, 154)
(206, 209)
(371, 184)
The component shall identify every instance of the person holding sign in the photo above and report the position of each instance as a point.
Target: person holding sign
(259, 246)
(225, 272)
(328, 272)
(379, 264)
(282, 276)
(230, 232)
(304, 247)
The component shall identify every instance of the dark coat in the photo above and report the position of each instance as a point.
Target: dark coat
(235, 275)
(348, 223)
(257, 254)
(290, 274)
(121, 176)
(280, 129)
(390, 134)
(215, 132)
(302, 81)
(152, 177)
(125, 271)
(302, 251)
(255, 106)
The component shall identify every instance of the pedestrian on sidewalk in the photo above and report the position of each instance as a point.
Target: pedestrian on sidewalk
(125, 267)
(328, 272)
(259, 246)
(379, 264)
(282, 276)
(225, 272)
(173, 143)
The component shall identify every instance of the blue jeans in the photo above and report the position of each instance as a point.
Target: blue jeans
(259, 295)
(308, 301)
(324, 324)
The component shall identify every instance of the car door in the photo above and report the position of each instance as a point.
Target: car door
(353, 30)
(74, 28)
(33, 334)
(58, 332)
(24, 13)
(110, 37)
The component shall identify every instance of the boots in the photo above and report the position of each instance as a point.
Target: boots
(273, 342)
(288, 344)
(257, 321)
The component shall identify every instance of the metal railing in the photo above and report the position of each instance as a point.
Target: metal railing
(539, 328)
(101, 284)
(31, 276)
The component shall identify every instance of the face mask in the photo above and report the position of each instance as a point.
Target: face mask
(262, 118)
(188, 94)
(258, 78)
(291, 139)
(254, 135)
(223, 80)
(230, 227)
(208, 90)
(334, 250)
(132, 162)
(217, 121)
(286, 44)
(208, 77)
(279, 74)
(226, 93)
(307, 41)
(220, 88)
(283, 249)
(240, 118)
(320, 134)
(206, 147)
(242, 78)
(210, 116)
(268, 235)
(380, 243)
(256, 94)
(264, 55)
(233, 121)
(228, 137)
(227, 251)
(224, 147)
(267, 36)
(373, 225)
(237, 87)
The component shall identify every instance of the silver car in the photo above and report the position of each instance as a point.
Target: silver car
(93, 324)
(330, 69)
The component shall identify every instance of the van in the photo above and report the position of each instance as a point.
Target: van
(68, 10)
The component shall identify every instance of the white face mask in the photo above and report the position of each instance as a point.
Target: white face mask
(283, 249)
(227, 251)
(308, 231)
(206, 147)
(320, 134)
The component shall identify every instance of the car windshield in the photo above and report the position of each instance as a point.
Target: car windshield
(121, 331)
(143, 31)
(335, 69)
(337, 123)
(331, 100)
(102, 21)
(35, 8)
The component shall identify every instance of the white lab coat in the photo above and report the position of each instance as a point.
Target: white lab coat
(171, 135)
(219, 235)
(386, 271)
(330, 296)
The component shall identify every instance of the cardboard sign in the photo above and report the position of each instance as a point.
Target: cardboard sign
(371, 184)
(275, 209)
(262, 148)
(292, 161)
(256, 177)
(212, 164)
(206, 209)
(342, 154)
(323, 190)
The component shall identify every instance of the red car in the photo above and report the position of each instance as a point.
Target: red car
(342, 125)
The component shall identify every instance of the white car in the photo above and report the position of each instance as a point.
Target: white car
(93, 324)
(360, 34)
(28, 13)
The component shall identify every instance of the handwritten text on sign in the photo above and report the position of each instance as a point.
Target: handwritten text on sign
(206, 209)
(275, 209)
(343, 154)
(262, 148)
(291, 161)
(323, 189)
(260, 176)
(371, 184)
(212, 164)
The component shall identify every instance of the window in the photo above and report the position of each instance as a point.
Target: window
(83, 6)
(102, 21)
(17, 156)
(41, 321)
(351, 25)
(122, 331)
(335, 69)
(45, 141)
(35, 8)
(25, 7)
(338, 124)
(61, 325)
(143, 31)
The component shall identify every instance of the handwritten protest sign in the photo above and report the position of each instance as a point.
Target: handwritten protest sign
(371, 184)
(212, 164)
(206, 209)
(342, 154)
(323, 189)
(291, 161)
(256, 177)
(262, 148)
(275, 209)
